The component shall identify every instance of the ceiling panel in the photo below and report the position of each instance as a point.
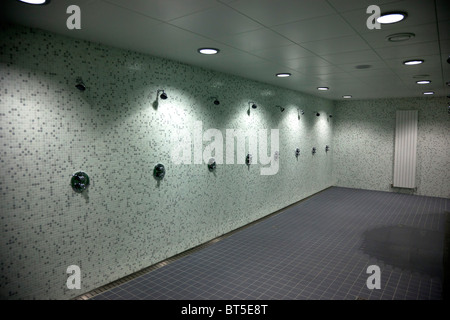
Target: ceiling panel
(354, 57)
(255, 40)
(409, 51)
(165, 10)
(96, 25)
(319, 41)
(217, 22)
(337, 45)
(318, 70)
(362, 66)
(301, 63)
(361, 5)
(283, 53)
(272, 13)
(328, 27)
(422, 33)
(167, 39)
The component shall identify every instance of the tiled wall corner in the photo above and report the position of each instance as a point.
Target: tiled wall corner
(364, 135)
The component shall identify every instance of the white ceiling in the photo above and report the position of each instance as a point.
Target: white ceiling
(319, 41)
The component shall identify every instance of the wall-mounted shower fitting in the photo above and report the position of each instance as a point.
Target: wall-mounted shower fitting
(327, 148)
(159, 171)
(79, 181)
(163, 95)
(80, 84)
(248, 159)
(215, 101)
(297, 152)
(314, 150)
(212, 164)
(251, 105)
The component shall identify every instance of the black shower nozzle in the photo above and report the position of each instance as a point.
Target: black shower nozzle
(80, 85)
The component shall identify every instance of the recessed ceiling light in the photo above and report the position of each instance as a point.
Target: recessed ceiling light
(399, 37)
(323, 88)
(347, 97)
(428, 92)
(423, 81)
(412, 62)
(208, 51)
(391, 17)
(35, 1)
(283, 75)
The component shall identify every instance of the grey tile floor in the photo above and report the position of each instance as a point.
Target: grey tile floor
(319, 249)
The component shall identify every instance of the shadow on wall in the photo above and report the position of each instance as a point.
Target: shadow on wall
(408, 248)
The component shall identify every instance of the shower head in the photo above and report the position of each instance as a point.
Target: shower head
(216, 101)
(80, 85)
(163, 95)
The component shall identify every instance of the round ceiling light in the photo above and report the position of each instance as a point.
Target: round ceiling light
(412, 62)
(423, 82)
(35, 1)
(283, 75)
(399, 37)
(208, 51)
(391, 17)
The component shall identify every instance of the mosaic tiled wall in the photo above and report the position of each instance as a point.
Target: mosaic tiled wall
(364, 148)
(116, 131)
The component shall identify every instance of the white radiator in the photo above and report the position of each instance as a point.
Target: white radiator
(405, 149)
